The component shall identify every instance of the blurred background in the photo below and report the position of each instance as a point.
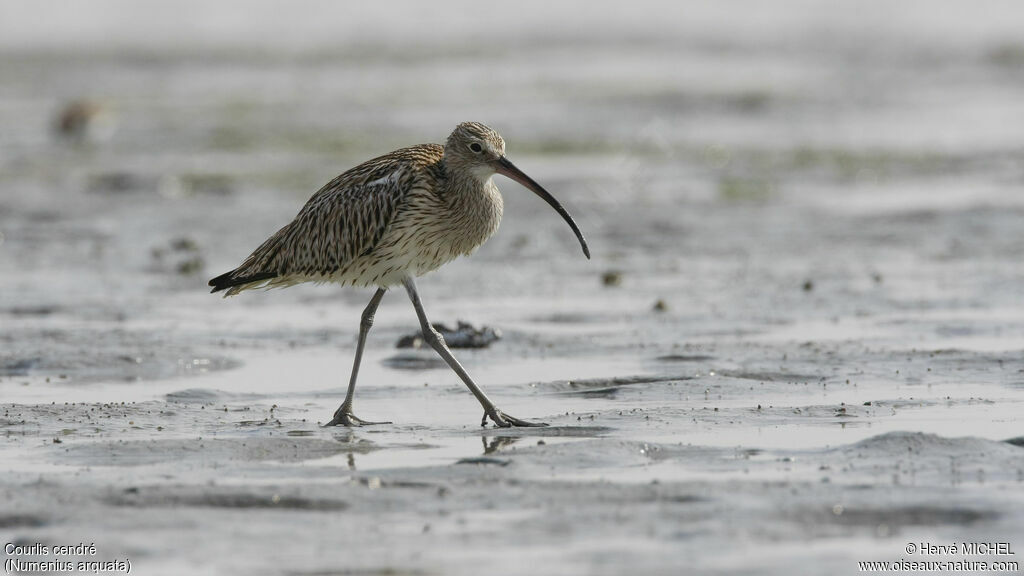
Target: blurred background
(814, 207)
(730, 161)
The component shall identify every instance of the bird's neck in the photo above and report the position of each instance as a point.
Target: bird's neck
(467, 178)
(472, 192)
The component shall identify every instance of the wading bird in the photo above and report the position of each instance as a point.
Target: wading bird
(387, 221)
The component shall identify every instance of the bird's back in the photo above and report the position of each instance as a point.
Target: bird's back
(341, 224)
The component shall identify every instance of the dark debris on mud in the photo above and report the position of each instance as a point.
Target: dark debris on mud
(464, 335)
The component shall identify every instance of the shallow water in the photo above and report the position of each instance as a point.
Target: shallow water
(798, 345)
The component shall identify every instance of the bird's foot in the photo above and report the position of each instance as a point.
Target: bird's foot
(345, 417)
(502, 420)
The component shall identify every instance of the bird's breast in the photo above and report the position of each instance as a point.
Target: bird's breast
(433, 229)
(473, 217)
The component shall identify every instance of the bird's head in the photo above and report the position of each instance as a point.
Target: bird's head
(474, 148)
(478, 150)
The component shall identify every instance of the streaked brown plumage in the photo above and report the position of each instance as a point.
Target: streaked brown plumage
(389, 220)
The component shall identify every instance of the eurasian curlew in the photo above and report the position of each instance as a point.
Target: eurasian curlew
(389, 220)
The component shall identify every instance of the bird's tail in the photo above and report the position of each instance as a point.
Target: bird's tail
(239, 281)
(262, 265)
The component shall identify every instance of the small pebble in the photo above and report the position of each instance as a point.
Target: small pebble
(611, 278)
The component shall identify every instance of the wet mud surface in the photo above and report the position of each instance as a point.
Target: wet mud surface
(798, 345)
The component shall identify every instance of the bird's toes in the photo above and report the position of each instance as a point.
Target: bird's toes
(349, 419)
(513, 421)
(497, 417)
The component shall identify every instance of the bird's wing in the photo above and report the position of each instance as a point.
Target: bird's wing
(344, 220)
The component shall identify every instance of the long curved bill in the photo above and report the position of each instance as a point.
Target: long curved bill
(506, 168)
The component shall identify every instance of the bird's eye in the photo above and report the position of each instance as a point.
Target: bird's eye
(476, 147)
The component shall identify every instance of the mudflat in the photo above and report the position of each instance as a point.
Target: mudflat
(798, 345)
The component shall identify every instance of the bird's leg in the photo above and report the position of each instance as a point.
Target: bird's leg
(343, 415)
(436, 341)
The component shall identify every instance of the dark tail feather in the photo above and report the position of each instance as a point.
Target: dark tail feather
(225, 281)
